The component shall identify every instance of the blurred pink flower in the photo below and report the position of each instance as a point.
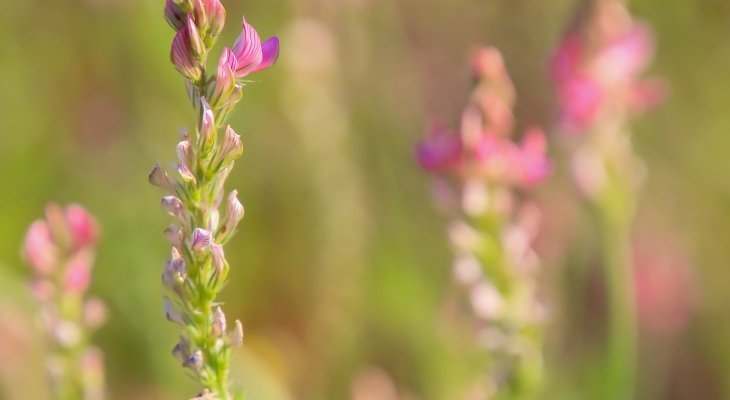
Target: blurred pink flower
(82, 226)
(78, 273)
(581, 98)
(39, 250)
(252, 55)
(533, 161)
(440, 151)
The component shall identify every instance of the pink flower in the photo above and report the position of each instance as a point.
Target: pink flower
(440, 151)
(626, 56)
(534, 164)
(564, 63)
(82, 226)
(252, 55)
(183, 56)
(78, 273)
(39, 250)
(581, 97)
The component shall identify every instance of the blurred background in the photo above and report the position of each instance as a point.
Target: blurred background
(341, 267)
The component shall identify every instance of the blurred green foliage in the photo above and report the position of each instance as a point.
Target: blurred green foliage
(89, 102)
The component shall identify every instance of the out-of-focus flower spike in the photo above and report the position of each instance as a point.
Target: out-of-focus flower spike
(200, 240)
(95, 313)
(175, 15)
(231, 148)
(247, 50)
(183, 55)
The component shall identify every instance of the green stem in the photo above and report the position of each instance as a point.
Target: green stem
(622, 319)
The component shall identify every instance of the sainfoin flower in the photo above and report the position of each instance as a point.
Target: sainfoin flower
(494, 261)
(252, 55)
(197, 269)
(60, 251)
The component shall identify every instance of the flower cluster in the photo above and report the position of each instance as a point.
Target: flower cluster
(493, 229)
(197, 269)
(598, 74)
(598, 68)
(60, 251)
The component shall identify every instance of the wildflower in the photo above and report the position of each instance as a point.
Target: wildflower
(197, 269)
(493, 260)
(60, 251)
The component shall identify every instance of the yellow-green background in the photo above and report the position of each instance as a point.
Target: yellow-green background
(341, 262)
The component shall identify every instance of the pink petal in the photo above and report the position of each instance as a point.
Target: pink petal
(270, 51)
(247, 50)
(439, 151)
(83, 227)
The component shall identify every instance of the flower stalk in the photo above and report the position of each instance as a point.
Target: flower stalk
(197, 269)
(597, 70)
(60, 251)
(487, 172)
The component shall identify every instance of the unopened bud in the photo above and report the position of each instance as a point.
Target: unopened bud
(175, 15)
(183, 56)
(185, 174)
(196, 42)
(185, 154)
(174, 274)
(171, 313)
(195, 362)
(173, 206)
(236, 336)
(219, 322)
(159, 178)
(207, 128)
(225, 81)
(174, 235)
(230, 149)
(200, 240)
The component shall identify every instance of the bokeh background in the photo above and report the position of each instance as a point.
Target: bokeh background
(341, 269)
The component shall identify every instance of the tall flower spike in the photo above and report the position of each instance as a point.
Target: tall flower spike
(60, 251)
(597, 70)
(198, 270)
(489, 169)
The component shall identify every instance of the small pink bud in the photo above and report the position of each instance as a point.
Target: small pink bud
(534, 164)
(201, 240)
(196, 42)
(488, 64)
(216, 16)
(95, 313)
(225, 81)
(158, 177)
(78, 273)
(185, 174)
(207, 128)
(43, 289)
(185, 154)
(183, 55)
(219, 323)
(174, 274)
(236, 336)
(231, 148)
(83, 227)
(38, 249)
(234, 214)
(173, 206)
(219, 259)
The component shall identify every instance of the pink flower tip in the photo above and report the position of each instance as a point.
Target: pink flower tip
(440, 151)
(252, 55)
